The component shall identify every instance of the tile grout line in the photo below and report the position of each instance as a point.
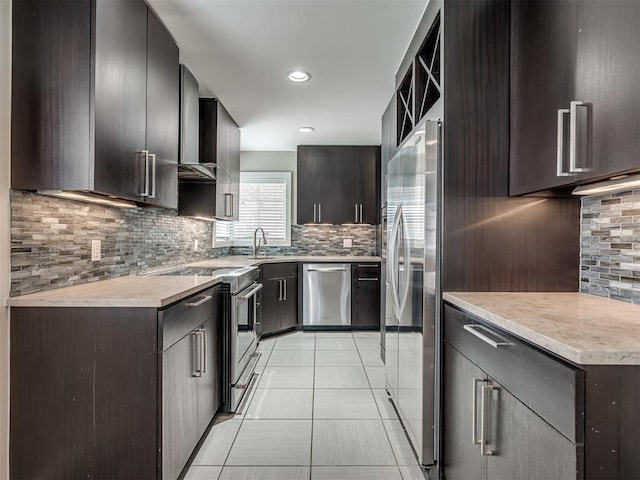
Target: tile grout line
(313, 406)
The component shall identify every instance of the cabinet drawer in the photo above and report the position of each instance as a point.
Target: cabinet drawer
(279, 270)
(365, 270)
(549, 387)
(179, 319)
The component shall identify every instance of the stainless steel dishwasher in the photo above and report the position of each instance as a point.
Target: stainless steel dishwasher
(326, 295)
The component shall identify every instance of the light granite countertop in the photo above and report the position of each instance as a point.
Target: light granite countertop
(154, 291)
(129, 291)
(581, 328)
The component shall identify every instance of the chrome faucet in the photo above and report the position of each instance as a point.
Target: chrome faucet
(257, 243)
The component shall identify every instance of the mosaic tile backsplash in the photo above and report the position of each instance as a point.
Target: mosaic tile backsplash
(610, 246)
(322, 240)
(51, 241)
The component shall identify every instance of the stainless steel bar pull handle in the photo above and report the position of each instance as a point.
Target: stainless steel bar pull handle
(356, 211)
(574, 136)
(197, 357)
(228, 204)
(284, 290)
(319, 213)
(474, 412)
(204, 350)
(279, 290)
(486, 390)
(326, 270)
(372, 279)
(476, 331)
(315, 212)
(153, 180)
(361, 213)
(197, 303)
(562, 114)
(145, 191)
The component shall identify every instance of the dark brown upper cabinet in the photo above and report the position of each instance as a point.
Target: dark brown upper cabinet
(338, 184)
(94, 100)
(220, 144)
(358, 184)
(189, 117)
(317, 185)
(575, 106)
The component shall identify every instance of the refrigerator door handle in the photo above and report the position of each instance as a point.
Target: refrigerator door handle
(403, 290)
(393, 260)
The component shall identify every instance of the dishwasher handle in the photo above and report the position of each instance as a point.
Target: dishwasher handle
(324, 270)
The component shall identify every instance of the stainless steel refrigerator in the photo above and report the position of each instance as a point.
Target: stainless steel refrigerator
(412, 300)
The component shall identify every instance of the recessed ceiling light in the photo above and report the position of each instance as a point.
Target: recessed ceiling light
(299, 76)
(306, 129)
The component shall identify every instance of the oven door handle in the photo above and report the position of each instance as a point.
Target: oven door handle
(248, 293)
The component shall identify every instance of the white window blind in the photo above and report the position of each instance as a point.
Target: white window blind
(265, 201)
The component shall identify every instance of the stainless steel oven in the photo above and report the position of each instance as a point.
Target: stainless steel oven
(244, 325)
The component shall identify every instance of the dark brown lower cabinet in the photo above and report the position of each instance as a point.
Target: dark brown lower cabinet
(106, 393)
(518, 443)
(512, 411)
(279, 297)
(365, 296)
(461, 459)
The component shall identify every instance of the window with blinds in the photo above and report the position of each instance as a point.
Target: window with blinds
(265, 201)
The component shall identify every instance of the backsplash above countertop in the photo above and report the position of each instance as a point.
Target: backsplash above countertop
(51, 241)
(610, 246)
(322, 240)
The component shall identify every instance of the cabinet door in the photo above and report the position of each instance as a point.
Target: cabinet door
(228, 160)
(307, 185)
(271, 293)
(120, 96)
(462, 459)
(607, 76)
(327, 189)
(365, 296)
(163, 105)
(523, 445)
(349, 180)
(369, 168)
(180, 430)
(543, 50)
(207, 402)
(289, 303)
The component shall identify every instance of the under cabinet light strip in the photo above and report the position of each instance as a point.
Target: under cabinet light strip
(609, 186)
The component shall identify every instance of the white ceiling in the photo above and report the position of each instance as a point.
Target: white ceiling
(241, 50)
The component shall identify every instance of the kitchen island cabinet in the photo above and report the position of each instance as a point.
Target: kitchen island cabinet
(113, 392)
(95, 102)
(528, 396)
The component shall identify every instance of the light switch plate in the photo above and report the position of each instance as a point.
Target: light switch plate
(347, 243)
(96, 250)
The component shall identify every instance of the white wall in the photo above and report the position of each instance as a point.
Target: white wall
(273, 162)
(5, 157)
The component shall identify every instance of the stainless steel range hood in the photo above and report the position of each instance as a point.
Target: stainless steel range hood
(197, 172)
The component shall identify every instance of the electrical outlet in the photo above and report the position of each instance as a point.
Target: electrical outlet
(96, 250)
(195, 244)
(347, 243)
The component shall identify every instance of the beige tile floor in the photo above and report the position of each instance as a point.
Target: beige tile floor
(319, 412)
